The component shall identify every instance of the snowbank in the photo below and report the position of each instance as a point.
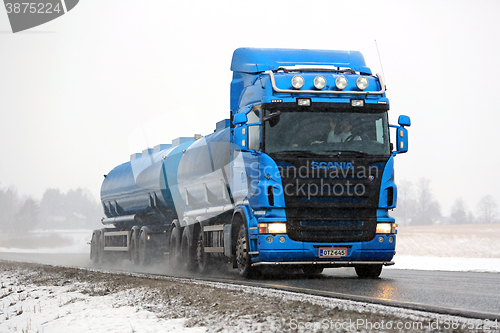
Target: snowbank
(49, 299)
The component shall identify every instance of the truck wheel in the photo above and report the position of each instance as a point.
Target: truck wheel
(368, 271)
(134, 249)
(174, 251)
(101, 256)
(243, 261)
(187, 257)
(203, 261)
(93, 248)
(143, 250)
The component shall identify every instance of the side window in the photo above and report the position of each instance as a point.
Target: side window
(380, 130)
(253, 116)
(254, 130)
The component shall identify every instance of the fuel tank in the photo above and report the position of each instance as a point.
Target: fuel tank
(187, 178)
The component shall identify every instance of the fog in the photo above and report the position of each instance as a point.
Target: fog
(81, 93)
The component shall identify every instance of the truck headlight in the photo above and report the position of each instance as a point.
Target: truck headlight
(386, 228)
(272, 228)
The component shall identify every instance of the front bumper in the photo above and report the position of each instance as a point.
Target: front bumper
(289, 252)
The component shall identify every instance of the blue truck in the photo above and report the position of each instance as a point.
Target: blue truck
(301, 176)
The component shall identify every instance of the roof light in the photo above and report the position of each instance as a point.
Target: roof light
(341, 82)
(362, 83)
(297, 81)
(319, 82)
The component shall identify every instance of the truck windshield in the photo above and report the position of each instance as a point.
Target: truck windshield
(325, 130)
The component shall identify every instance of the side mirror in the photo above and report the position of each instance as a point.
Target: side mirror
(240, 118)
(404, 121)
(402, 134)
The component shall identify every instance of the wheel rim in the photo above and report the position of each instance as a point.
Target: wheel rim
(242, 254)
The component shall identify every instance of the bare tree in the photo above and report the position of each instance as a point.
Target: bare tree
(428, 210)
(487, 209)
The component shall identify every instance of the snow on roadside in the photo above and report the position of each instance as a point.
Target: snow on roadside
(431, 263)
(31, 308)
(38, 298)
(55, 309)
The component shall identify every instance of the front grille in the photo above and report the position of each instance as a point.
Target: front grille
(327, 209)
(333, 230)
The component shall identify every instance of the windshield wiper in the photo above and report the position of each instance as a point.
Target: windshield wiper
(271, 116)
(346, 152)
(299, 153)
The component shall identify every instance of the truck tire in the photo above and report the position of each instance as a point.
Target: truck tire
(243, 260)
(101, 256)
(93, 248)
(134, 248)
(368, 271)
(203, 259)
(187, 251)
(144, 255)
(174, 250)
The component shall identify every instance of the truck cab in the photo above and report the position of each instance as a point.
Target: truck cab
(312, 129)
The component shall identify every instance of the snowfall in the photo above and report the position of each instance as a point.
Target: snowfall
(34, 299)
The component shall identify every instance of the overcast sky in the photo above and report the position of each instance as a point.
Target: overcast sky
(81, 93)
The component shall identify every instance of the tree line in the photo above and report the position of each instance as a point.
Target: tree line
(75, 209)
(418, 206)
(78, 209)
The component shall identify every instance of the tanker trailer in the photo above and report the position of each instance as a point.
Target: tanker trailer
(157, 203)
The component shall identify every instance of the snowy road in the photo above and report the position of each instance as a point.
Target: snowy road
(469, 294)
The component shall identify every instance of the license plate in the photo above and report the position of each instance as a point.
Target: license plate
(332, 252)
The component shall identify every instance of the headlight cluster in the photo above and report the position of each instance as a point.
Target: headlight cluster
(386, 228)
(320, 82)
(272, 228)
